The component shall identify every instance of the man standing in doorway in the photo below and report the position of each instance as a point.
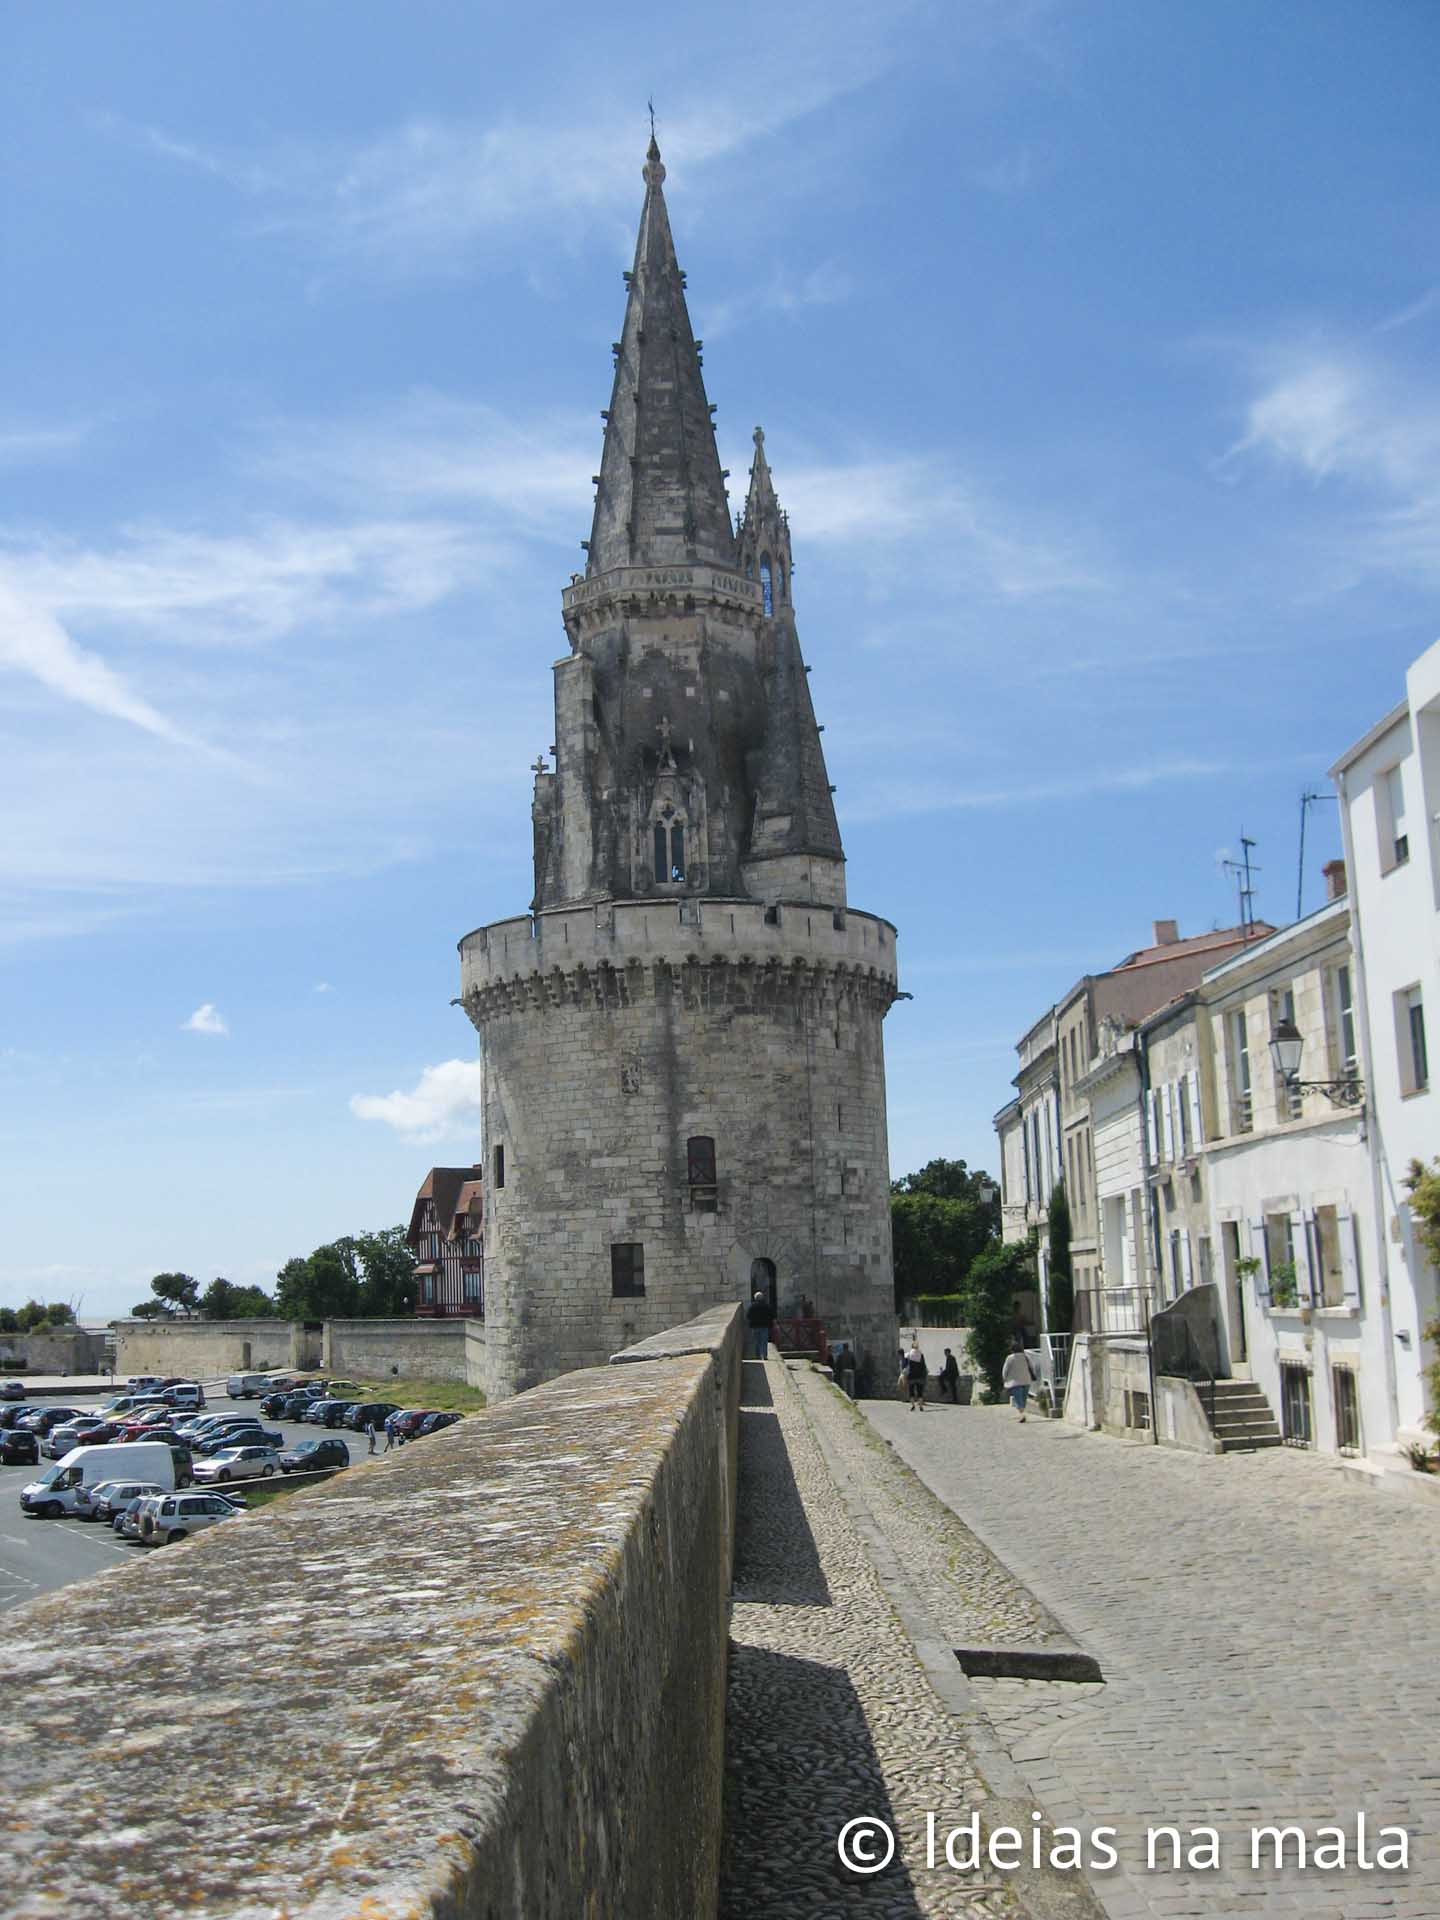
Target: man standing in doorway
(761, 1317)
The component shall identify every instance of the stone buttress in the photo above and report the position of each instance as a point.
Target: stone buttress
(682, 1061)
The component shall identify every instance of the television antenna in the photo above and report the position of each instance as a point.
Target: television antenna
(1243, 869)
(1308, 799)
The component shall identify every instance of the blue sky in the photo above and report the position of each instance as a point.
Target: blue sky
(1096, 349)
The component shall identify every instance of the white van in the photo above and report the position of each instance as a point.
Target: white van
(54, 1492)
(247, 1386)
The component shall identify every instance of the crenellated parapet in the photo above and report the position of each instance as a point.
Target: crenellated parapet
(700, 955)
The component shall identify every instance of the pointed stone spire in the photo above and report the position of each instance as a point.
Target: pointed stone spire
(763, 538)
(660, 499)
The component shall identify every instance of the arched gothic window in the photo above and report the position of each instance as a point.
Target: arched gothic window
(767, 590)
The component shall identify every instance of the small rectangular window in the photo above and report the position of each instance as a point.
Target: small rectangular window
(1345, 1023)
(1295, 1417)
(1241, 1108)
(498, 1160)
(627, 1269)
(1347, 1409)
(1395, 842)
(1410, 1043)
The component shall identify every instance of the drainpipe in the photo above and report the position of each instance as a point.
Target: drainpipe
(1370, 1119)
(1152, 1214)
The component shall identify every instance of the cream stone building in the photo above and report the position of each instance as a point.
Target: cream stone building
(683, 1075)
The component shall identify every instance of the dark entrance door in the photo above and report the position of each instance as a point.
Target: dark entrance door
(763, 1280)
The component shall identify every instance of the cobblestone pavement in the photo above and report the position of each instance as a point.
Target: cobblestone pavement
(830, 1715)
(1267, 1635)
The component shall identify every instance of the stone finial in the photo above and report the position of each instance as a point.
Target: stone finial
(540, 766)
(653, 171)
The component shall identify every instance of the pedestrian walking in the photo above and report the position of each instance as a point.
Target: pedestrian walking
(389, 1435)
(1017, 1376)
(950, 1376)
(760, 1317)
(371, 1431)
(915, 1375)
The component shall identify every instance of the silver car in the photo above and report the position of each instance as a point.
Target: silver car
(237, 1463)
(167, 1517)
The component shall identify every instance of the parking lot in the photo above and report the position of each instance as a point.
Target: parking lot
(37, 1556)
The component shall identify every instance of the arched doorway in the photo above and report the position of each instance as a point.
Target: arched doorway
(763, 1279)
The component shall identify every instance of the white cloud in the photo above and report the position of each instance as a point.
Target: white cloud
(205, 1019)
(926, 504)
(884, 800)
(323, 986)
(33, 642)
(1345, 418)
(445, 1099)
(199, 587)
(29, 446)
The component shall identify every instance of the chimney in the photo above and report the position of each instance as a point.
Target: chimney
(1167, 932)
(1334, 872)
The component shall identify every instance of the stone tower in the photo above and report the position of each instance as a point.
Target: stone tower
(682, 1059)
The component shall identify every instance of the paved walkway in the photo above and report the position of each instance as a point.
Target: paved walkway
(829, 1715)
(1268, 1635)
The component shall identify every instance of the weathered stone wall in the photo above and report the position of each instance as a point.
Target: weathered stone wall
(613, 1035)
(192, 1348)
(482, 1676)
(475, 1354)
(77, 1350)
(374, 1349)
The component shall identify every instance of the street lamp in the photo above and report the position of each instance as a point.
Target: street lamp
(1286, 1047)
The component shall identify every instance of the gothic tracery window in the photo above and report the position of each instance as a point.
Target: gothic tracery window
(767, 590)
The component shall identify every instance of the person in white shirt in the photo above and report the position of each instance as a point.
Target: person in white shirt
(1017, 1376)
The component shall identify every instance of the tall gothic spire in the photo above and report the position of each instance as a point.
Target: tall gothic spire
(660, 499)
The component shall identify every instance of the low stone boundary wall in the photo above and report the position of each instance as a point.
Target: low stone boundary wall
(485, 1676)
(375, 1349)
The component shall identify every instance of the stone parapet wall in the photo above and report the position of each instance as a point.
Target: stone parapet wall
(490, 1675)
(569, 945)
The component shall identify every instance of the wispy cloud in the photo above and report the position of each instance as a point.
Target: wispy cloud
(445, 1099)
(929, 506)
(202, 588)
(33, 642)
(825, 285)
(883, 800)
(31, 446)
(205, 1019)
(1429, 302)
(1348, 419)
(422, 194)
(322, 986)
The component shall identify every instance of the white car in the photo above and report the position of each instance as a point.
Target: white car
(238, 1463)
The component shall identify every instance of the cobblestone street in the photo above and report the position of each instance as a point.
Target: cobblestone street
(1266, 1632)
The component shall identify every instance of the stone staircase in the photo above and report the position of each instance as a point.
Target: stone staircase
(1243, 1419)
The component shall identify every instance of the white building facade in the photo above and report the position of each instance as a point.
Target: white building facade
(1389, 788)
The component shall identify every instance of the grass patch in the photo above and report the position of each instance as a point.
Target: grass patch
(441, 1396)
(260, 1493)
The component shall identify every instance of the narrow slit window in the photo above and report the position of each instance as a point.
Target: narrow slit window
(767, 589)
(677, 853)
(662, 864)
(627, 1270)
(498, 1159)
(700, 1173)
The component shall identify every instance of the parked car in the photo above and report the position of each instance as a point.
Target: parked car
(252, 1436)
(369, 1413)
(311, 1456)
(247, 1386)
(298, 1402)
(214, 1423)
(165, 1518)
(335, 1412)
(186, 1394)
(12, 1390)
(19, 1448)
(404, 1423)
(44, 1419)
(237, 1463)
(11, 1416)
(112, 1498)
(433, 1422)
(87, 1498)
(139, 1382)
(87, 1432)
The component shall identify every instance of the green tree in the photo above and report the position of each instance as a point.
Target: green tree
(988, 1294)
(38, 1317)
(180, 1292)
(1060, 1285)
(151, 1310)
(387, 1267)
(9, 1320)
(354, 1277)
(941, 1218)
(223, 1300)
